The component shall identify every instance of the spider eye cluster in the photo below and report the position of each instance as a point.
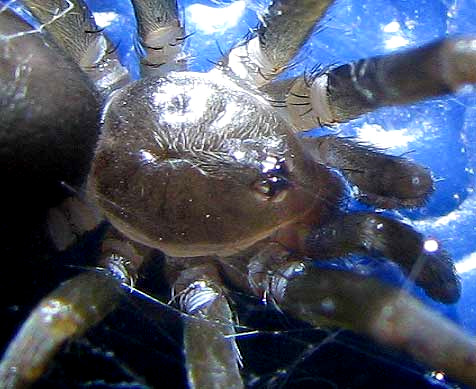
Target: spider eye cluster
(274, 179)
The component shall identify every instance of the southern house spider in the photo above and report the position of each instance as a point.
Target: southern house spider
(209, 170)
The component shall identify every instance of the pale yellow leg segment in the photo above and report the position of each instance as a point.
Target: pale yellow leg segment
(71, 309)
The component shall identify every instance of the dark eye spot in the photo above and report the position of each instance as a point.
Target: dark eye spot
(274, 179)
(271, 186)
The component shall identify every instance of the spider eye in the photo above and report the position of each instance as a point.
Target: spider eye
(273, 183)
(272, 187)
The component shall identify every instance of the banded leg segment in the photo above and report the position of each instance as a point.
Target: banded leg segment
(324, 297)
(382, 180)
(285, 27)
(161, 35)
(356, 88)
(348, 91)
(70, 23)
(72, 26)
(376, 235)
(212, 355)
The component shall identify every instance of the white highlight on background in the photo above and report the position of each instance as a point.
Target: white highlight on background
(396, 38)
(376, 135)
(393, 26)
(222, 18)
(467, 264)
(104, 19)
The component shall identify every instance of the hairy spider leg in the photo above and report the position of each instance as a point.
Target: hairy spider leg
(381, 180)
(284, 28)
(379, 236)
(72, 27)
(161, 36)
(345, 92)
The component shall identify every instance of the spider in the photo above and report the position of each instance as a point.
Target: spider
(235, 198)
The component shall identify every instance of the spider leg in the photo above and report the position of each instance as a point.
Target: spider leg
(345, 92)
(72, 27)
(330, 297)
(382, 180)
(284, 28)
(212, 356)
(67, 313)
(161, 36)
(377, 235)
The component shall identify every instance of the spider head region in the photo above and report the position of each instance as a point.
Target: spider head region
(194, 164)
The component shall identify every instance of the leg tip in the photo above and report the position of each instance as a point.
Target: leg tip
(438, 277)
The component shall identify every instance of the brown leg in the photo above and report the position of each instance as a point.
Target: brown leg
(436, 69)
(67, 312)
(382, 180)
(376, 235)
(72, 27)
(387, 315)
